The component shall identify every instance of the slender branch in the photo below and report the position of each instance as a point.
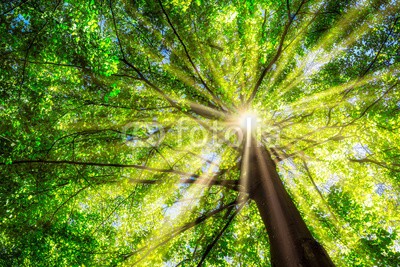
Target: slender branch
(125, 107)
(215, 98)
(382, 164)
(201, 110)
(66, 201)
(31, 45)
(45, 63)
(277, 54)
(11, 9)
(288, 10)
(124, 59)
(169, 236)
(231, 184)
(371, 64)
(214, 242)
(372, 104)
(135, 166)
(381, 47)
(317, 189)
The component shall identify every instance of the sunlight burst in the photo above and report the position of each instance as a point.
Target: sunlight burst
(248, 120)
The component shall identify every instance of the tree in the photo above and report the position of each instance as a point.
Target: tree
(180, 133)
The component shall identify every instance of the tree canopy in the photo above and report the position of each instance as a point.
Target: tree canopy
(121, 138)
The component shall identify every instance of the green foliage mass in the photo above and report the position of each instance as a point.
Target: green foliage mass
(117, 122)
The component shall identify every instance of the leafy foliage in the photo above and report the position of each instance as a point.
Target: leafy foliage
(117, 121)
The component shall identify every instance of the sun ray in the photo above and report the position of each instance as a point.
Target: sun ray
(314, 100)
(326, 50)
(290, 48)
(181, 209)
(161, 56)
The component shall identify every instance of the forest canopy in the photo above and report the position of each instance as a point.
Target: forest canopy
(131, 132)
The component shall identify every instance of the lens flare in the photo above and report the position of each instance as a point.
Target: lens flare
(248, 120)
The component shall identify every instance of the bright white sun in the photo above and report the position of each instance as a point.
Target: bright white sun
(248, 120)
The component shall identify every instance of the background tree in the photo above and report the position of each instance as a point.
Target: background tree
(117, 138)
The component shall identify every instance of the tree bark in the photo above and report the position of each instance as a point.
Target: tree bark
(291, 243)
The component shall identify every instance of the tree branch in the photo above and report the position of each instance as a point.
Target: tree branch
(317, 189)
(11, 9)
(215, 98)
(219, 235)
(168, 237)
(277, 55)
(135, 166)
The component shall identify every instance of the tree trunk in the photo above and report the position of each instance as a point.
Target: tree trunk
(291, 243)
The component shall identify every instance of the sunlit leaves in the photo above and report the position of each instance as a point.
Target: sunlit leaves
(112, 82)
